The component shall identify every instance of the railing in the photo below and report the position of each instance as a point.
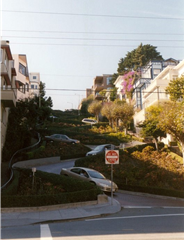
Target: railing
(12, 158)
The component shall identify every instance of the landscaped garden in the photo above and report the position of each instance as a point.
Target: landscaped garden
(141, 168)
(146, 171)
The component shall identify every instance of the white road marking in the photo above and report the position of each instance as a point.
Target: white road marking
(45, 233)
(144, 236)
(141, 216)
(151, 207)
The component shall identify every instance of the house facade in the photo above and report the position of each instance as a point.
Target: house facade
(34, 84)
(8, 86)
(101, 83)
(119, 87)
(155, 93)
(147, 74)
(22, 77)
(149, 89)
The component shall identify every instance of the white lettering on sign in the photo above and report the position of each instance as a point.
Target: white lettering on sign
(112, 157)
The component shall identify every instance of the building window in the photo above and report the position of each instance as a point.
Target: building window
(34, 77)
(1, 55)
(109, 80)
(32, 86)
(36, 87)
(22, 69)
(27, 87)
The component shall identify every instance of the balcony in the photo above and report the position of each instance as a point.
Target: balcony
(98, 87)
(5, 74)
(142, 81)
(8, 97)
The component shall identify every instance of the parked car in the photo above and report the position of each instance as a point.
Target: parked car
(100, 149)
(61, 138)
(88, 120)
(90, 175)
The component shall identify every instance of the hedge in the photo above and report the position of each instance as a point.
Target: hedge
(45, 200)
(13, 196)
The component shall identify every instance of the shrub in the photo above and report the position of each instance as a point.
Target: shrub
(48, 189)
(142, 170)
(51, 149)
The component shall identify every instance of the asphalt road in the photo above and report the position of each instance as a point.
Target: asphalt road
(134, 223)
(142, 217)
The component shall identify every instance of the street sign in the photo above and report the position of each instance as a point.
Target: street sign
(112, 156)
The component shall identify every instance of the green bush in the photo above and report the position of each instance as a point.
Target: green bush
(51, 149)
(45, 200)
(149, 170)
(13, 186)
(48, 189)
(142, 146)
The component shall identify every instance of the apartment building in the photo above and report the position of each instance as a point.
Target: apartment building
(8, 86)
(100, 83)
(22, 77)
(149, 89)
(119, 87)
(155, 93)
(147, 74)
(34, 84)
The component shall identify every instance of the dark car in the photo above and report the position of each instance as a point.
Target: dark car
(90, 175)
(100, 149)
(61, 138)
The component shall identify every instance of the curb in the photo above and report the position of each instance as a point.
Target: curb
(150, 195)
(102, 199)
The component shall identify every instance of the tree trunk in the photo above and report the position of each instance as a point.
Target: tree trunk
(156, 143)
(97, 118)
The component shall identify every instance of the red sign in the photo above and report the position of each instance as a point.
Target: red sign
(112, 157)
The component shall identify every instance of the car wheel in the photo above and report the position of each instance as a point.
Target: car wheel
(93, 183)
(72, 142)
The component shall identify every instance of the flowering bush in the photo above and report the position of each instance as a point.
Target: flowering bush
(128, 82)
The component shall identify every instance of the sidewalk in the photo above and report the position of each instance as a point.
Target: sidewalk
(21, 216)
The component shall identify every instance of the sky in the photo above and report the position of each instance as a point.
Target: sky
(71, 42)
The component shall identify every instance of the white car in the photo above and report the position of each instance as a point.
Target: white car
(90, 175)
(89, 121)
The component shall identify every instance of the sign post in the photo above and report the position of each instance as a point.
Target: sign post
(112, 157)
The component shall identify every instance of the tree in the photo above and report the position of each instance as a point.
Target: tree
(150, 126)
(118, 110)
(137, 58)
(123, 112)
(23, 121)
(171, 120)
(95, 108)
(107, 112)
(176, 89)
(85, 103)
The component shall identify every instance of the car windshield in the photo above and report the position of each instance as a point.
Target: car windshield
(98, 148)
(94, 174)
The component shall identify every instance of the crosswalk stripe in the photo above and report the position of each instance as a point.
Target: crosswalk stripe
(45, 233)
